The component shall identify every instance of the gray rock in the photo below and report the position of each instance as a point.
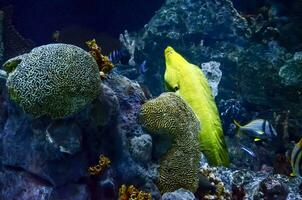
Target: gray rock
(106, 108)
(23, 186)
(141, 147)
(129, 169)
(65, 136)
(20, 185)
(291, 72)
(108, 190)
(71, 192)
(59, 152)
(213, 74)
(272, 188)
(259, 184)
(180, 194)
(196, 24)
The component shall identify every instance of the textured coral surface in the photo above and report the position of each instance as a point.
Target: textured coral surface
(169, 114)
(55, 79)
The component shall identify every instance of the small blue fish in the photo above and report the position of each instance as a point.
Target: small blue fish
(248, 151)
(258, 129)
(114, 56)
(142, 67)
(119, 56)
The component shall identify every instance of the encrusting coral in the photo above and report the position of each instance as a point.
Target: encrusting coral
(188, 81)
(105, 65)
(170, 114)
(55, 80)
(220, 193)
(96, 170)
(132, 193)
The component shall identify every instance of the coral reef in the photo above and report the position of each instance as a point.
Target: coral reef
(291, 72)
(55, 80)
(254, 185)
(271, 188)
(130, 45)
(213, 73)
(106, 126)
(190, 83)
(96, 170)
(141, 147)
(259, 55)
(214, 31)
(132, 193)
(169, 114)
(179, 194)
(105, 65)
(220, 192)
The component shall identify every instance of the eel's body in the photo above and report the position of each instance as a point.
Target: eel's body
(191, 84)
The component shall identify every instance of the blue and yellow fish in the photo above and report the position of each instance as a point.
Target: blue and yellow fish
(296, 160)
(258, 129)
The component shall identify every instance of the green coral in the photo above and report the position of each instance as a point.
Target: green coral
(169, 114)
(56, 80)
(188, 81)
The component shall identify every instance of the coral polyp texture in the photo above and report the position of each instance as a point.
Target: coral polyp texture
(170, 114)
(189, 82)
(55, 80)
(96, 170)
(105, 65)
(132, 193)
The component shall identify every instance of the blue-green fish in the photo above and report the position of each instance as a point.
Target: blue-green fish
(258, 129)
(296, 160)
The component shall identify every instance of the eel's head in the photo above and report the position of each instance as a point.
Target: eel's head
(174, 62)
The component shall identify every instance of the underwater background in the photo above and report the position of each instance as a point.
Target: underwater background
(161, 99)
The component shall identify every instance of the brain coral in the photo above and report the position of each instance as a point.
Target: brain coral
(169, 114)
(55, 79)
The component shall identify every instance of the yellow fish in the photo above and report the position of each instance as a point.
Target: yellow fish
(296, 160)
(188, 81)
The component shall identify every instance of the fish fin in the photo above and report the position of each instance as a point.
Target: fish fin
(237, 123)
(300, 142)
(257, 139)
(260, 132)
(292, 174)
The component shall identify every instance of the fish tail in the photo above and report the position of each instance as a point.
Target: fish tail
(237, 123)
(238, 126)
(300, 142)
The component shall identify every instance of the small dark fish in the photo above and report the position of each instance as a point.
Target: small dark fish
(248, 151)
(259, 129)
(142, 67)
(119, 56)
(114, 56)
(56, 36)
(296, 159)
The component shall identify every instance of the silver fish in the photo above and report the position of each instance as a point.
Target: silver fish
(259, 129)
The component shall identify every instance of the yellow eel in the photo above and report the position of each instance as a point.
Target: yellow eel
(188, 81)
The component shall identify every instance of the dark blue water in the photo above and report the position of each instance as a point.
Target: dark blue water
(37, 20)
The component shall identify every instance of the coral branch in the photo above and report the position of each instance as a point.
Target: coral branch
(132, 193)
(96, 170)
(105, 65)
